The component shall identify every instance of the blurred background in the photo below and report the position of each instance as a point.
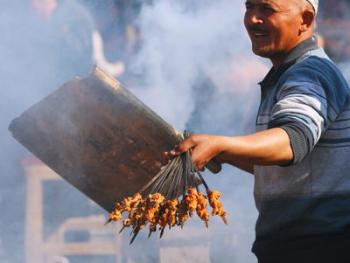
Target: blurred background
(190, 61)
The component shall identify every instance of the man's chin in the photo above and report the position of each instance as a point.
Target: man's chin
(261, 52)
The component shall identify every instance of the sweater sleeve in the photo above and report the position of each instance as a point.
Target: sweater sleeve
(301, 110)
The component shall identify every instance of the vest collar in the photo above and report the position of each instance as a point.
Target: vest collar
(274, 74)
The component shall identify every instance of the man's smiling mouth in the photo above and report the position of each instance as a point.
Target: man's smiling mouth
(259, 34)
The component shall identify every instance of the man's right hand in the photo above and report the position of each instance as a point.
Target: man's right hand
(203, 148)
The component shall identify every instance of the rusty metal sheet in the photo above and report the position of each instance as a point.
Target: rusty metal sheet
(98, 136)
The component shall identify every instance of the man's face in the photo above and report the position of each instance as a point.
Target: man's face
(273, 26)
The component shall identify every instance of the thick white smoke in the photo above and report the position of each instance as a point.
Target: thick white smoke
(183, 39)
(182, 42)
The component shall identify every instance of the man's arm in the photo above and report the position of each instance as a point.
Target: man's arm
(244, 166)
(269, 147)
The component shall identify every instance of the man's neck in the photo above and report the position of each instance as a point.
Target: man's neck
(294, 55)
(281, 58)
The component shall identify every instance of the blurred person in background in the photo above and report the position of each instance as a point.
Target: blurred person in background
(44, 43)
(117, 37)
(299, 154)
(59, 42)
(334, 22)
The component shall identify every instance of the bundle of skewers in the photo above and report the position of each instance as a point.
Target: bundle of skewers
(169, 199)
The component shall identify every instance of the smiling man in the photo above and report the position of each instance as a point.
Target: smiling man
(300, 153)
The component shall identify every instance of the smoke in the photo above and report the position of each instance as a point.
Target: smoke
(194, 68)
(183, 41)
(199, 73)
(37, 55)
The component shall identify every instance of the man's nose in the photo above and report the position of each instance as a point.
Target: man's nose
(254, 18)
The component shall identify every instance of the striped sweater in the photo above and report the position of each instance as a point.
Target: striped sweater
(309, 98)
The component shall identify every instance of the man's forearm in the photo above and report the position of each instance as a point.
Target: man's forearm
(269, 147)
(245, 166)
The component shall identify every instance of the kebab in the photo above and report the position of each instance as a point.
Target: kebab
(157, 203)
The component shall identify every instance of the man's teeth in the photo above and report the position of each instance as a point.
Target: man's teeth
(259, 34)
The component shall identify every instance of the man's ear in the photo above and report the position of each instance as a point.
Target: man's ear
(308, 18)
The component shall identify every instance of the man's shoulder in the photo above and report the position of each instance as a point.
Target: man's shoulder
(317, 68)
(315, 76)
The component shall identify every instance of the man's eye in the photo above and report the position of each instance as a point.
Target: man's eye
(268, 9)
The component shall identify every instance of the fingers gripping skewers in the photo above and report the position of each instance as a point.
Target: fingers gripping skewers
(161, 206)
